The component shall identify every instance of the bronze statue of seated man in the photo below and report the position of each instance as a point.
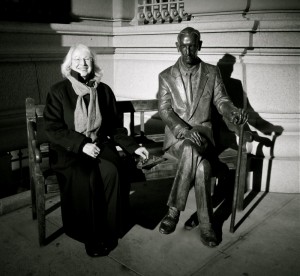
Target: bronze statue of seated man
(187, 91)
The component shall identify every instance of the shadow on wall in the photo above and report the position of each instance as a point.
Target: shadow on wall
(236, 92)
(51, 11)
(28, 71)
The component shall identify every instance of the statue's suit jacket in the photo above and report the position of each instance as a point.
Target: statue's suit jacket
(178, 114)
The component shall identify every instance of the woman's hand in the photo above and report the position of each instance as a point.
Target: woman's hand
(143, 152)
(91, 149)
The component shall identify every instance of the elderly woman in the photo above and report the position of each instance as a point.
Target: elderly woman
(82, 123)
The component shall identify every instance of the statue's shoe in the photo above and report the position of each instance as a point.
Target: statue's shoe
(169, 222)
(208, 237)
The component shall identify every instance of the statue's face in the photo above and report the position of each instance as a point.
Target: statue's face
(189, 45)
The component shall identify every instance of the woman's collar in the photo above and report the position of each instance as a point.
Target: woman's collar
(77, 76)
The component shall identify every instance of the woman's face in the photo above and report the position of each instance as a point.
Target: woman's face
(82, 62)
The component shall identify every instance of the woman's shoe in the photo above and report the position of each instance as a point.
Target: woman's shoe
(96, 250)
(111, 244)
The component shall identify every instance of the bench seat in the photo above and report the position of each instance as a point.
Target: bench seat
(43, 181)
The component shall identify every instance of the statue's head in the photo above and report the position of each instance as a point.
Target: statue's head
(188, 44)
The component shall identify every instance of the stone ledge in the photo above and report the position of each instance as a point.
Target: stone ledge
(14, 202)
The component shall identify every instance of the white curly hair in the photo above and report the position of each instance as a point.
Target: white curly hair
(66, 65)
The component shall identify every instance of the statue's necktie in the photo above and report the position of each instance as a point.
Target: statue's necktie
(189, 93)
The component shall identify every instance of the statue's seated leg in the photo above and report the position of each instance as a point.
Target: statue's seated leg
(204, 204)
(188, 157)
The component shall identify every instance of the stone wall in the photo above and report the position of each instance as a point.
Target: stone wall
(257, 43)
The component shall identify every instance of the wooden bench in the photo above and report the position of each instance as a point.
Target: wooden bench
(42, 178)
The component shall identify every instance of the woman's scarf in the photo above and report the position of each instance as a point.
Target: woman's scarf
(86, 121)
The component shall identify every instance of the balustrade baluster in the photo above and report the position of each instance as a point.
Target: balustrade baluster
(158, 12)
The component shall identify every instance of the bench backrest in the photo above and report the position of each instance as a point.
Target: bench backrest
(134, 106)
(34, 115)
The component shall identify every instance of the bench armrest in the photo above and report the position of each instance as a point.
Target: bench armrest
(37, 155)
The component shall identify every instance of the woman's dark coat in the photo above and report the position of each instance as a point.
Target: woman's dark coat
(78, 174)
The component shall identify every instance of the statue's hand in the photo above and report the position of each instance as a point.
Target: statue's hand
(238, 116)
(195, 137)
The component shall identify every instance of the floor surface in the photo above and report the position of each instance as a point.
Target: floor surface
(266, 242)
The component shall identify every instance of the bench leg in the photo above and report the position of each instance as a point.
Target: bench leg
(40, 201)
(33, 199)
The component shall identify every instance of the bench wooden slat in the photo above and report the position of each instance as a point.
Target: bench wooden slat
(137, 106)
(166, 169)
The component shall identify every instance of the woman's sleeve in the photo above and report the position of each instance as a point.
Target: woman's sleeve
(55, 127)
